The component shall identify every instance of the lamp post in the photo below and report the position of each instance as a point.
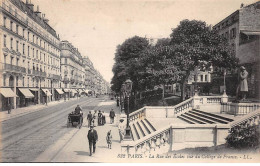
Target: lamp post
(196, 79)
(123, 96)
(224, 91)
(128, 89)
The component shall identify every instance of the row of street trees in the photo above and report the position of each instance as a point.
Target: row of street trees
(191, 45)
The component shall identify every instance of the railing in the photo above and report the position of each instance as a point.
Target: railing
(239, 108)
(14, 68)
(250, 119)
(138, 114)
(183, 106)
(153, 141)
(36, 72)
(29, 71)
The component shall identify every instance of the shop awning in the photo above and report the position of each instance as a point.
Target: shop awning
(59, 91)
(34, 89)
(251, 32)
(26, 92)
(66, 90)
(73, 91)
(7, 92)
(86, 91)
(47, 92)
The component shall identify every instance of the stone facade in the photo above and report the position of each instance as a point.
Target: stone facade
(242, 30)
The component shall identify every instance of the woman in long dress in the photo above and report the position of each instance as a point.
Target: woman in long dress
(95, 120)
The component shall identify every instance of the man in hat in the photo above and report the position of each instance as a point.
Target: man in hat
(92, 139)
(112, 116)
(121, 128)
(89, 118)
(243, 86)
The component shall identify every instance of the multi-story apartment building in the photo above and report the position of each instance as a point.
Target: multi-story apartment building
(72, 70)
(30, 55)
(242, 30)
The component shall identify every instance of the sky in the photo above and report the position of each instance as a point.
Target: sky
(96, 27)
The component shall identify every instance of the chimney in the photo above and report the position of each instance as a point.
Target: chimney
(29, 4)
(37, 12)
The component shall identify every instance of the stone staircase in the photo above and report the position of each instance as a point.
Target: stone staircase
(200, 117)
(141, 128)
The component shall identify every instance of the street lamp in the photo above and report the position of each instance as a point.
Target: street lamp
(225, 73)
(128, 89)
(123, 96)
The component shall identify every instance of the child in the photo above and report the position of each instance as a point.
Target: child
(109, 139)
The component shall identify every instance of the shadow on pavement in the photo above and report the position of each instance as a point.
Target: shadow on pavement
(103, 147)
(116, 141)
(82, 153)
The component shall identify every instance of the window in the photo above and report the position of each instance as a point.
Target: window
(4, 22)
(33, 52)
(4, 40)
(11, 43)
(23, 81)
(17, 61)
(17, 29)
(28, 51)
(23, 48)
(201, 78)
(23, 32)
(33, 38)
(206, 78)
(5, 58)
(17, 45)
(28, 80)
(37, 54)
(17, 80)
(28, 36)
(4, 78)
(65, 60)
(11, 25)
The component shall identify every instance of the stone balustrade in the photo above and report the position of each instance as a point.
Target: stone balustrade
(239, 108)
(138, 114)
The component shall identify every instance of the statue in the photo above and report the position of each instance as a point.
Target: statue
(243, 86)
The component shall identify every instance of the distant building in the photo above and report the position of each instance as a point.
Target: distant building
(242, 30)
(30, 55)
(72, 70)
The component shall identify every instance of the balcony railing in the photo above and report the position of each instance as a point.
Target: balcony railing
(66, 80)
(13, 68)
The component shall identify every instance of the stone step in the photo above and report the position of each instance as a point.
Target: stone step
(185, 119)
(200, 118)
(214, 115)
(146, 128)
(140, 130)
(149, 125)
(135, 134)
(210, 117)
(193, 119)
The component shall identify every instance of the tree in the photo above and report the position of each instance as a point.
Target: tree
(126, 58)
(194, 42)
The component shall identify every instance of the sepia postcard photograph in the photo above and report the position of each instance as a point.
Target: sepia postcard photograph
(129, 81)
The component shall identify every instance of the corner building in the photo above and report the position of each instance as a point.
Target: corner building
(30, 56)
(72, 71)
(242, 31)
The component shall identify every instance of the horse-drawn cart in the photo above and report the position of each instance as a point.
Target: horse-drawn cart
(75, 119)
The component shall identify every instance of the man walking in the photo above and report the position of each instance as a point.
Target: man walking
(89, 118)
(92, 139)
(112, 116)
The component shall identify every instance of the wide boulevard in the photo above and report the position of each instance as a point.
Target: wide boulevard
(25, 137)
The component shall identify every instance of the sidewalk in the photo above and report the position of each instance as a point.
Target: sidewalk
(25, 110)
(74, 147)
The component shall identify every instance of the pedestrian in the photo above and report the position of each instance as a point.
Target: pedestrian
(109, 139)
(95, 121)
(103, 118)
(89, 118)
(243, 82)
(9, 107)
(99, 118)
(117, 101)
(92, 139)
(121, 128)
(112, 116)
